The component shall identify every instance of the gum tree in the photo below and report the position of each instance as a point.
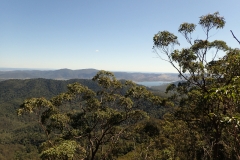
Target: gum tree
(208, 96)
(83, 124)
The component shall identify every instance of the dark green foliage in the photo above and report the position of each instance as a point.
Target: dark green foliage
(24, 132)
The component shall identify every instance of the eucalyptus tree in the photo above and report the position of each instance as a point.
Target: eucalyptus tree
(83, 124)
(208, 96)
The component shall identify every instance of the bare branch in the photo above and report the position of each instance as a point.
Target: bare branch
(234, 36)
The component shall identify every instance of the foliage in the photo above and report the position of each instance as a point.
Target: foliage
(97, 122)
(21, 136)
(208, 99)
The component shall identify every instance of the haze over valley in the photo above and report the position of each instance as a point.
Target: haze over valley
(66, 74)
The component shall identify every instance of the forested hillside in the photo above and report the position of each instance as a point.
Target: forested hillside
(21, 135)
(18, 133)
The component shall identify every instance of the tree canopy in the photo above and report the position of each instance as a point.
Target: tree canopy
(208, 98)
(82, 123)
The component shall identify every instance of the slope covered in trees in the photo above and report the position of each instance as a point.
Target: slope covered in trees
(21, 135)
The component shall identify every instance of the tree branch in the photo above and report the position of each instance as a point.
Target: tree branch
(234, 36)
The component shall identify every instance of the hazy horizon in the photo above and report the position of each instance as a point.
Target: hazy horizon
(54, 69)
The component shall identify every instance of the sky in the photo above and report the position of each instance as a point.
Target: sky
(113, 35)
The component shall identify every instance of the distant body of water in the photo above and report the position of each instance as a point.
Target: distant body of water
(153, 83)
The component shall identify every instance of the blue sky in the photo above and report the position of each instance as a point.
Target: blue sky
(113, 35)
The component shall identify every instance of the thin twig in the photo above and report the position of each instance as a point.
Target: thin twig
(235, 37)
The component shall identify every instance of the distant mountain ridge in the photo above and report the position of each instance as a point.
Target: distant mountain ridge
(66, 74)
